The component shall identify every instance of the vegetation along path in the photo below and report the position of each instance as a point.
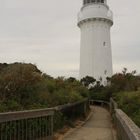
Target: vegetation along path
(99, 127)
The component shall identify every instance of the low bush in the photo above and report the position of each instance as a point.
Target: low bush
(129, 102)
(24, 86)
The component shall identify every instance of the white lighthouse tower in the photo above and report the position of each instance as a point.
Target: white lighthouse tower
(95, 20)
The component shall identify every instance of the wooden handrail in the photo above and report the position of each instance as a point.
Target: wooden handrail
(19, 115)
(100, 101)
(115, 105)
(127, 129)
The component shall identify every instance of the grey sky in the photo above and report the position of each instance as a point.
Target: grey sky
(45, 33)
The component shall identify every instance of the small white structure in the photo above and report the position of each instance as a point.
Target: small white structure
(95, 20)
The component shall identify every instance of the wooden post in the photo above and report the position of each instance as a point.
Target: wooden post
(52, 127)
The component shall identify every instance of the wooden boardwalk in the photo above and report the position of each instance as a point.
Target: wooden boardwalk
(99, 127)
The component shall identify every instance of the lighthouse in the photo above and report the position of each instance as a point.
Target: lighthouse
(95, 20)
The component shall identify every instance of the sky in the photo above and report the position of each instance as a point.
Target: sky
(45, 33)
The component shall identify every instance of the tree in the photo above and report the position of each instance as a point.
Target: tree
(87, 81)
(125, 81)
(71, 79)
(18, 83)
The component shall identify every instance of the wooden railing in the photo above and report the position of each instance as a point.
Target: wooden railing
(70, 112)
(27, 125)
(126, 128)
(37, 124)
(99, 102)
(113, 106)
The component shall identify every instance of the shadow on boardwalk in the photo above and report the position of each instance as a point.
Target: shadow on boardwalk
(99, 127)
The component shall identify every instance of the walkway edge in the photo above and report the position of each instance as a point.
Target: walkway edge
(113, 132)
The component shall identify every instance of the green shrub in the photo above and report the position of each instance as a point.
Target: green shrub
(24, 86)
(129, 102)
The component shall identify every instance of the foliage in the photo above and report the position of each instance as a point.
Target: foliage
(100, 93)
(24, 86)
(129, 102)
(125, 81)
(87, 81)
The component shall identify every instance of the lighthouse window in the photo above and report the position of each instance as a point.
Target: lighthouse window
(104, 44)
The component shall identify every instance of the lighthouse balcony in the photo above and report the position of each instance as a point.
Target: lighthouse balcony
(95, 11)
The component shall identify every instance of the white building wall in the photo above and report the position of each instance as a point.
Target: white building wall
(95, 53)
